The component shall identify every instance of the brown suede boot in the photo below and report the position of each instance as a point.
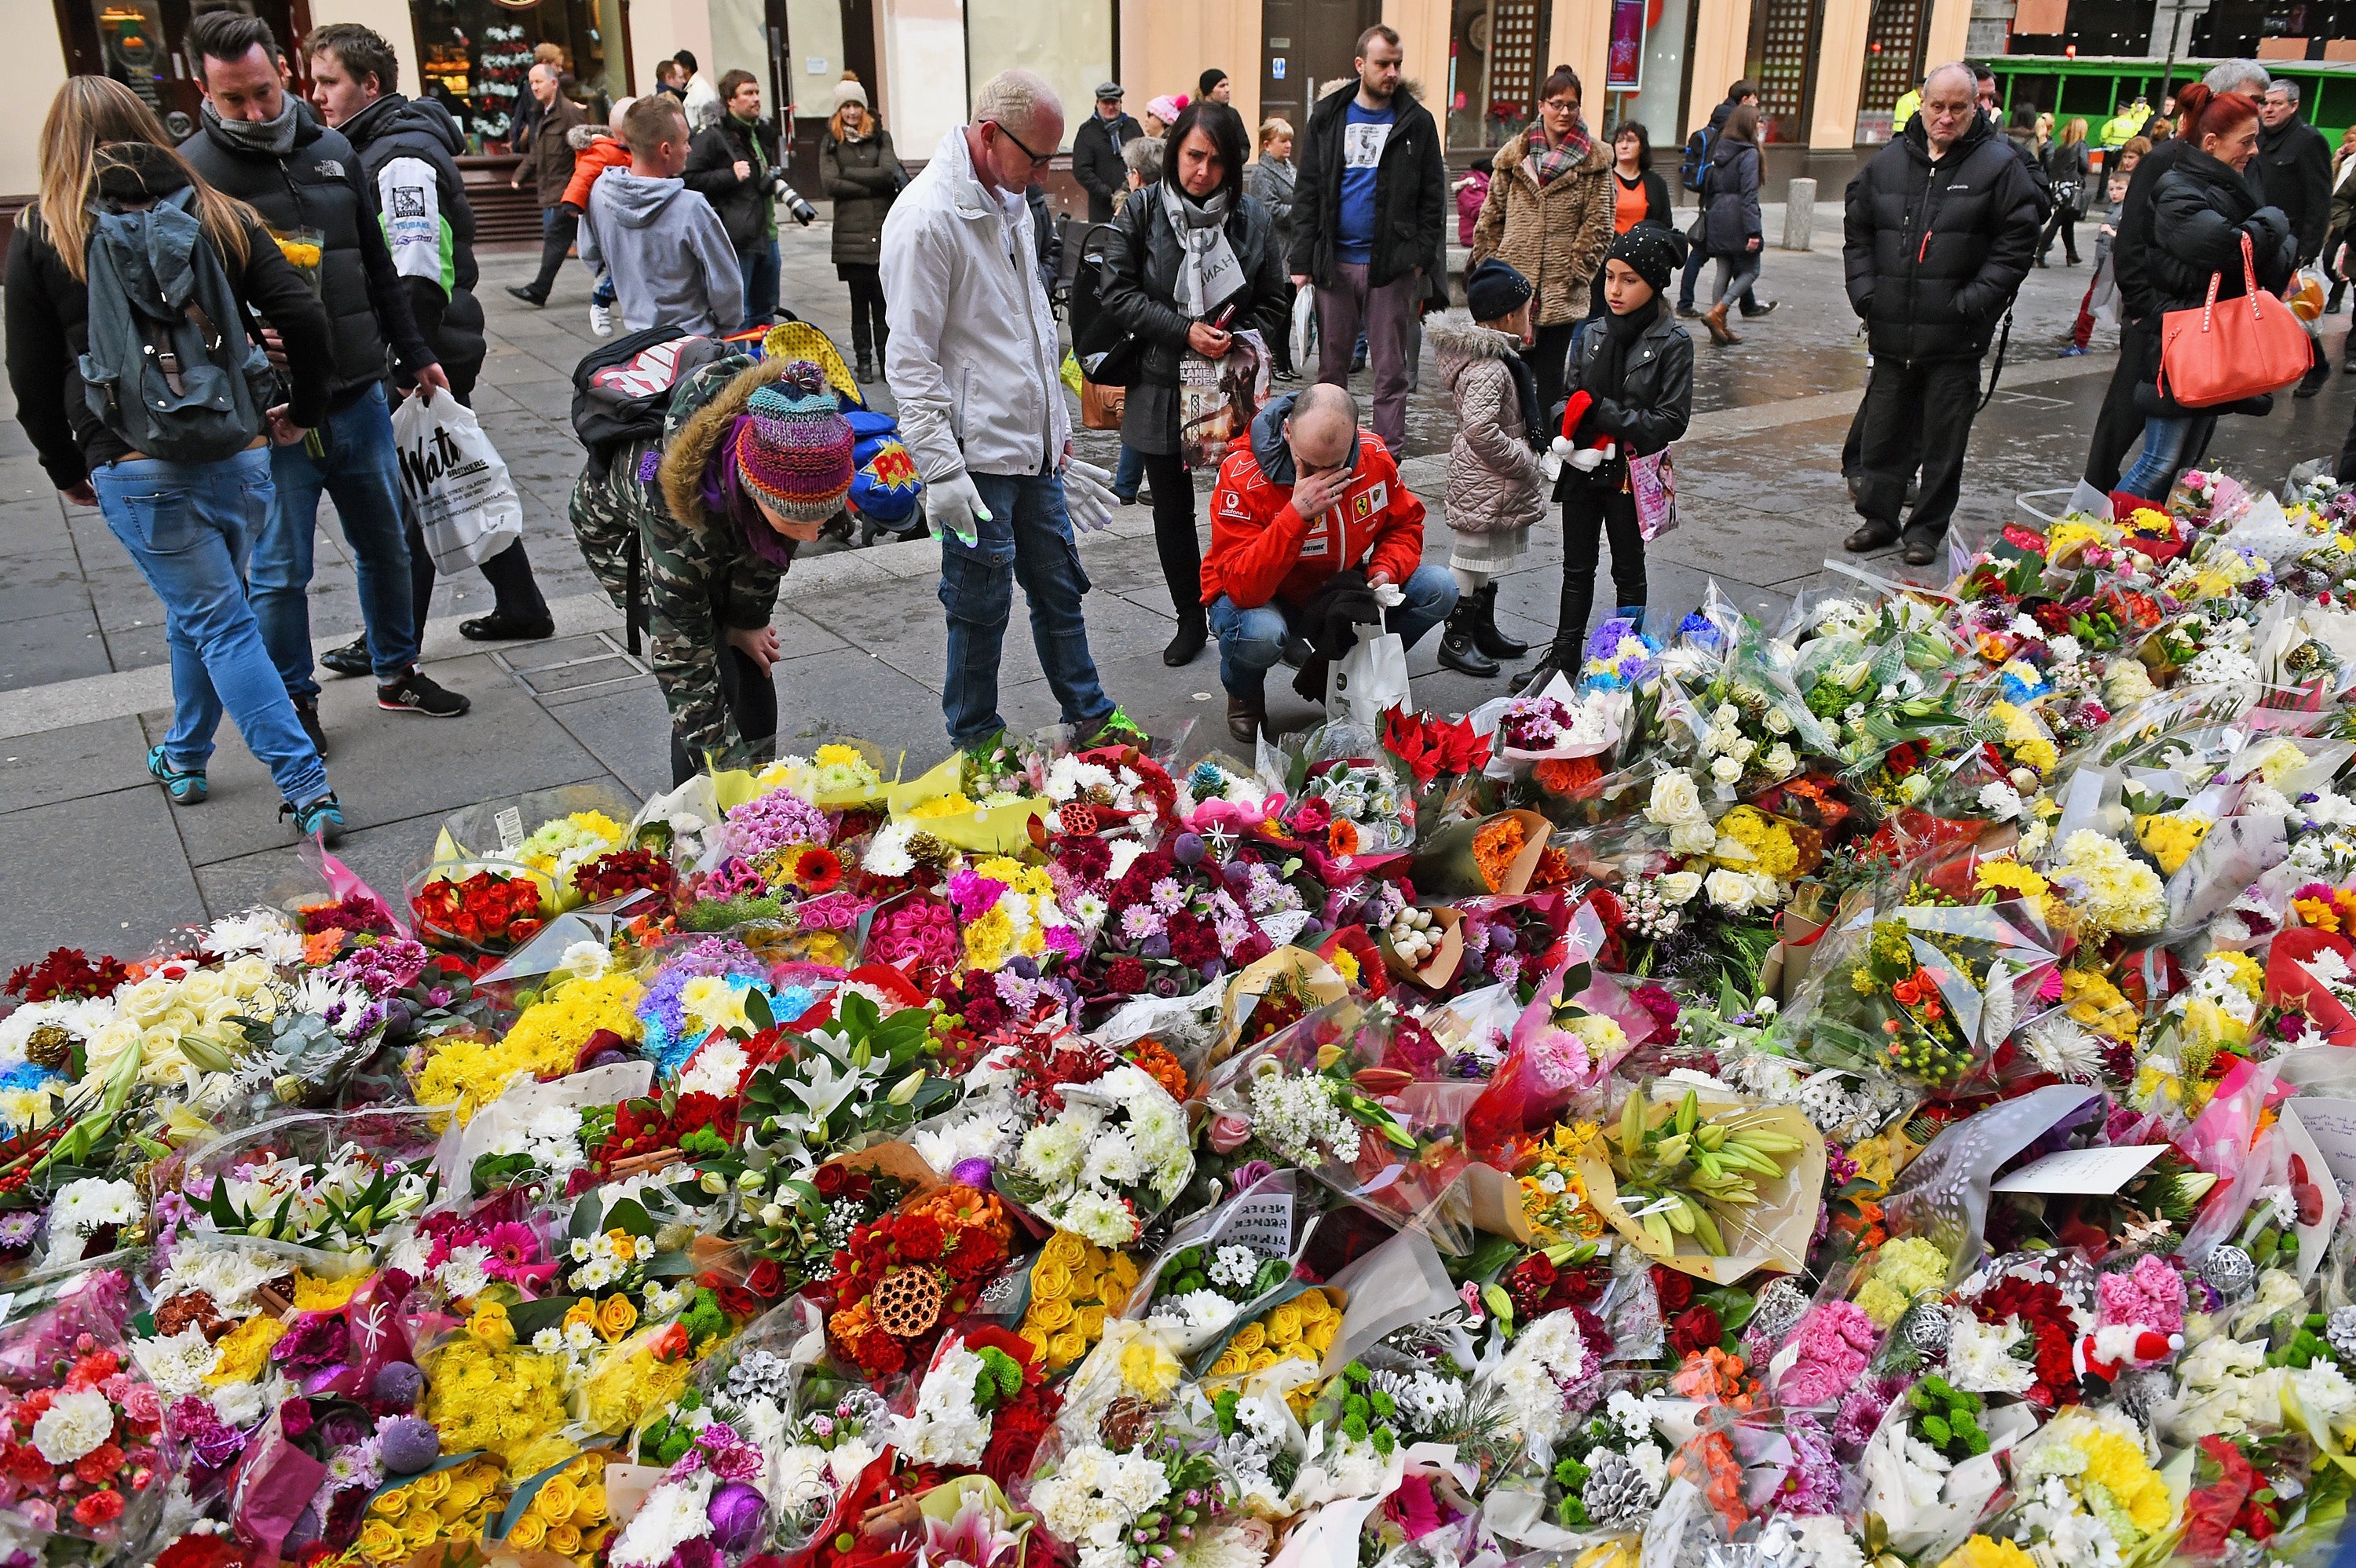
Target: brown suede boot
(1715, 319)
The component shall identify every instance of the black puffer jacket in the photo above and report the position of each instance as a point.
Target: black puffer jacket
(1730, 198)
(1411, 217)
(1139, 280)
(2200, 213)
(395, 127)
(1936, 251)
(1648, 409)
(318, 186)
(712, 160)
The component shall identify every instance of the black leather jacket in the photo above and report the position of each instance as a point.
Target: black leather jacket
(712, 159)
(1141, 273)
(1647, 411)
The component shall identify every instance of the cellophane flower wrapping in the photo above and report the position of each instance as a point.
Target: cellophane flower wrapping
(87, 1456)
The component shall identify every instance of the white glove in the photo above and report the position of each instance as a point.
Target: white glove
(1550, 462)
(1389, 595)
(1588, 459)
(952, 506)
(1087, 496)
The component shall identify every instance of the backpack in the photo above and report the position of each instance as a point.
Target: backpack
(1693, 169)
(622, 389)
(171, 366)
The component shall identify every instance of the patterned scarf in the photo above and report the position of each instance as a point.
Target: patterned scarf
(1552, 160)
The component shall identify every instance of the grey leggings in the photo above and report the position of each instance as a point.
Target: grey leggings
(1735, 274)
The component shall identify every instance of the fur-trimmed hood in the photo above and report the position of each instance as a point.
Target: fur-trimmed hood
(1458, 341)
(580, 136)
(686, 455)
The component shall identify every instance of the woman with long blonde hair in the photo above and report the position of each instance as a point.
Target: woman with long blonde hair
(190, 526)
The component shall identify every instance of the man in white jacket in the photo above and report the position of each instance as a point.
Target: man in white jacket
(972, 361)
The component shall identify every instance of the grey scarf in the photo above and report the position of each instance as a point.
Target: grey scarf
(1202, 233)
(270, 138)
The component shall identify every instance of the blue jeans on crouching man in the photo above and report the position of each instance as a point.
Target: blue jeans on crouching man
(1027, 537)
(1252, 641)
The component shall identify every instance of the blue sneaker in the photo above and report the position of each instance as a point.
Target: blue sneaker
(322, 819)
(185, 788)
(2075, 350)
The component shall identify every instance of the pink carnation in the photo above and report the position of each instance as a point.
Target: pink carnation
(1834, 1341)
(2150, 1295)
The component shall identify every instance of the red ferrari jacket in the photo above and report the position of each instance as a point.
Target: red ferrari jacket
(1262, 550)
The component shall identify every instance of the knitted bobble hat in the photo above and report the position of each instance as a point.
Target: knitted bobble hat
(795, 451)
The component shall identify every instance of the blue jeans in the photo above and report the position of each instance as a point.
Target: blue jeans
(2165, 446)
(1027, 537)
(1130, 472)
(762, 269)
(1252, 641)
(190, 528)
(362, 475)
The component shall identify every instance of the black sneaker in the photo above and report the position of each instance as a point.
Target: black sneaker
(306, 713)
(1685, 309)
(498, 626)
(1755, 309)
(524, 295)
(417, 693)
(352, 658)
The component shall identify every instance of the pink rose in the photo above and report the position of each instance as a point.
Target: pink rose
(1230, 1131)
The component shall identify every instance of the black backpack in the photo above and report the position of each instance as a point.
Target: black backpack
(622, 389)
(171, 366)
(1693, 169)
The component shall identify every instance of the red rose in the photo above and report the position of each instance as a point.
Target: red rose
(766, 1280)
(200, 1551)
(1695, 1328)
(98, 1508)
(829, 1181)
(1675, 1289)
(736, 1301)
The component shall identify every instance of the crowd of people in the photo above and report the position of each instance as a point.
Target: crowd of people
(1567, 368)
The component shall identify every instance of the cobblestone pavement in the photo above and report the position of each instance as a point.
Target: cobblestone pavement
(95, 855)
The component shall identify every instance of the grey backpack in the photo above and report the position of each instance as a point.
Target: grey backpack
(171, 366)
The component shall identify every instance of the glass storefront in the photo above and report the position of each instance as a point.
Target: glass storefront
(1782, 51)
(1497, 65)
(1069, 42)
(1661, 83)
(139, 43)
(474, 55)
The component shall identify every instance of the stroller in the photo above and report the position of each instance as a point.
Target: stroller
(885, 488)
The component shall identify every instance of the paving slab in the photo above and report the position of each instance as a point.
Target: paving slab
(75, 763)
(106, 872)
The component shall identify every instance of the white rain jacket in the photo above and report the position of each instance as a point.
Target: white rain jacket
(972, 358)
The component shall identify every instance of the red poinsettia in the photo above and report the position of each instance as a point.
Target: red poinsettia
(66, 972)
(1431, 746)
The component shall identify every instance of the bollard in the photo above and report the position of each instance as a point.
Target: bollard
(1800, 215)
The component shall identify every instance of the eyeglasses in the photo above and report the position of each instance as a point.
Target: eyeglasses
(1561, 106)
(1038, 160)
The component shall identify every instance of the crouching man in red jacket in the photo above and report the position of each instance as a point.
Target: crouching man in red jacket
(1304, 495)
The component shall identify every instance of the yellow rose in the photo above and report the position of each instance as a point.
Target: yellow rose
(564, 1539)
(616, 1317)
(1065, 1248)
(1051, 1282)
(1315, 1304)
(379, 1542)
(422, 1527)
(1302, 1353)
(389, 1505)
(591, 1509)
(1087, 1285)
(1251, 1338)
(489, 1323)
(1036, 1337)
(1123, 1271)
(1260, 1360)
(1116, 1297)
(1052, 1314)
(1232, 1363)
(1284, 1325)
(465, 1493)
(1319, 1335)
(528, 1533)
(1091, 1321)
(582, 1311)
(430, 1489)
(1067, 1347)
(556, 1499)
(451, 1509)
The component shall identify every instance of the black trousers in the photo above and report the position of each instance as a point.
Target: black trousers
(2064, 222)
(1547, 357)
(2119, 425)
(1589, 514)
(752, 699)
(508, 573)
(1920, 409)
(1280, 350)
(867, 329)
(560, 227)
(1173, 533)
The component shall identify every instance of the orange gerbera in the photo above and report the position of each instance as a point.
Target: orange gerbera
(2317, 913)
(1342, 838)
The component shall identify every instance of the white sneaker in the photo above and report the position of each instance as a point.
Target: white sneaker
(601, 319)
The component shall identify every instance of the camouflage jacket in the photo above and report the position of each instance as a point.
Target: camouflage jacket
(700, 578)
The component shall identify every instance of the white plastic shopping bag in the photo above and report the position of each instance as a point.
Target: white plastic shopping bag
(1367, 679)
(456, 479)
(1304, 324)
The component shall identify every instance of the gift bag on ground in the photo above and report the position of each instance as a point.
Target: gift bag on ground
(456, 479)
(1653, 482)
(1369, 678)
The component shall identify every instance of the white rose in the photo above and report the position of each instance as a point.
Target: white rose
(1674, 800)
(1680, 886)
(1778, 722)
(1743, 748)
(200, 989)
(1728, 716)
(147, 1000)
(1731, 890)
(181, 1019)
(1781, 760)
(1726, 770)
(1692, 838)
(246, 973)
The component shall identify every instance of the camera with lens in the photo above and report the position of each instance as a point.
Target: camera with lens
(802, 211)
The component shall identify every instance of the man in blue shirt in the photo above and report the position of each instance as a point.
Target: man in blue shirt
(1369, 225)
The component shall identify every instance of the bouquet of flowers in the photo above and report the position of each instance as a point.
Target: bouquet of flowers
(900, 1278)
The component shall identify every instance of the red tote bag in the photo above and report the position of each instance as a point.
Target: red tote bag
(2221, 355)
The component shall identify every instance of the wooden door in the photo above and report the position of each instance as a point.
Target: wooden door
(1305, 45)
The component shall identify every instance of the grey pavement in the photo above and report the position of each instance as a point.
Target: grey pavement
(94, 855)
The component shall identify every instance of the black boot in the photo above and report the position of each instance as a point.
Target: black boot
(1459, 650)
(1561, 654)
(1485, 634)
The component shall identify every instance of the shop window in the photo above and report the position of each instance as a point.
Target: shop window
(1497, 65)
(1655, 101)
(1069, 42)
(475, 54)
(1892, 43)
(1783, 36)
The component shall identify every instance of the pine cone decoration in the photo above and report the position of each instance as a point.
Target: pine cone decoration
(1616, 1495)
(50, 1046)
(928, 850)
(2341, 1330)
(907, 1302)
(1077, 817)
(1127, 1422)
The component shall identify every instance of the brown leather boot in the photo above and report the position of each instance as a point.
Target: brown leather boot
(1715, 319)
(1247, 716)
